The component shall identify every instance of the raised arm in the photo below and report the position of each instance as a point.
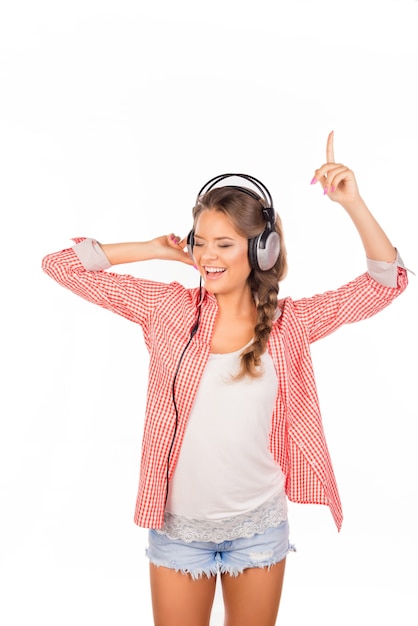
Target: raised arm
(339, 184)
(81, 269)
(168, 247)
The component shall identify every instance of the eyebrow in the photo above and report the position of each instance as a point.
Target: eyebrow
(216, 238)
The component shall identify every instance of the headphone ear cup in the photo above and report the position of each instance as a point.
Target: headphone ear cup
(190, 244)
(252, 252)
(264, 250)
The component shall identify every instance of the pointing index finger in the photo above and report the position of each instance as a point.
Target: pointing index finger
(330, 148)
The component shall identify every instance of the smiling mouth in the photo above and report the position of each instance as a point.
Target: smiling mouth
(214, 272)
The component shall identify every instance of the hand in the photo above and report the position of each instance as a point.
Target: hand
(172, 248)
(338, 181)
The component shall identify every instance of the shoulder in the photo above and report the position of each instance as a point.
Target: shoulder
(174, 294)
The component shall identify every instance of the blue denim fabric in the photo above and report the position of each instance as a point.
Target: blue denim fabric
(206, 558)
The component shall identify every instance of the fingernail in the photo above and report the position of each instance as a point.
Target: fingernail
(195, 266)
(325, 191)
(313, 181)
(332, 189)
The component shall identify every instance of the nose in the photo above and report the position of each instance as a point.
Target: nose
(209, 253)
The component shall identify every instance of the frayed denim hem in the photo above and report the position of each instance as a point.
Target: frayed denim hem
(194, 575)
(264, 563)
(259, 560)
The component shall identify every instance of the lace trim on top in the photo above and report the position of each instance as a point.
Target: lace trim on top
(268, 515)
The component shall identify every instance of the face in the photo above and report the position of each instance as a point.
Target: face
(221, 254)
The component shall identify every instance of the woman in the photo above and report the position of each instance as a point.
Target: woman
(233, 426)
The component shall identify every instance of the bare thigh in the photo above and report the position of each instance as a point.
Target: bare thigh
(178, 600)
(253, 597)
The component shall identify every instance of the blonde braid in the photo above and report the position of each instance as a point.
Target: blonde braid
(267, 291)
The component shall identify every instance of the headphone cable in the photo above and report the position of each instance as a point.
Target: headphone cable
(173, 386)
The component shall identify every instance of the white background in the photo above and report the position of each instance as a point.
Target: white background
(112, 115)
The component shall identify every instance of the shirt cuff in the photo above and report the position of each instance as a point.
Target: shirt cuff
(91, 255)
(385, 273)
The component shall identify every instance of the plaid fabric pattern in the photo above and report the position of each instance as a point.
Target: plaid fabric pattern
(167, 313)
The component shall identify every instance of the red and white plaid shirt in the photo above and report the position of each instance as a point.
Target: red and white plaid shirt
(167, 312)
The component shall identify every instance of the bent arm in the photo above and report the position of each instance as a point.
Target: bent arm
(375, 241)
(360, 299)
(81, 270)
(340, 185)
(166, 248)
(129, 252)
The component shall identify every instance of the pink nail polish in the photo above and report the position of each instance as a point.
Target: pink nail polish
(313, 181)
(325, 191)
(332, 189)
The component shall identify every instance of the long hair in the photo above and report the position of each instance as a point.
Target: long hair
(245, 212)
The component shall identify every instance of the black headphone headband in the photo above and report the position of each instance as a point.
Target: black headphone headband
(268, 209)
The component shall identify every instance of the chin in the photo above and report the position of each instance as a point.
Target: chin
(210, 288)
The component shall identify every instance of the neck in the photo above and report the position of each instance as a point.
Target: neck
(237, 304)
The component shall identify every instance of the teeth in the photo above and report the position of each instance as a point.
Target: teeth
(214, 269)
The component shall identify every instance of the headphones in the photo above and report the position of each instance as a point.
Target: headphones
(264, 249)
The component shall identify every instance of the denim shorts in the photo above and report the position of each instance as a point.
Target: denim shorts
(197, 558)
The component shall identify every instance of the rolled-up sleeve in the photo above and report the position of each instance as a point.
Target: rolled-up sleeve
(91, 255)
(81, 269)
(386, 273)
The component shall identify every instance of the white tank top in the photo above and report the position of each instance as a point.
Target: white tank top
(225, 468)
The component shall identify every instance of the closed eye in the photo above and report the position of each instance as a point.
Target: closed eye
(221, 245)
